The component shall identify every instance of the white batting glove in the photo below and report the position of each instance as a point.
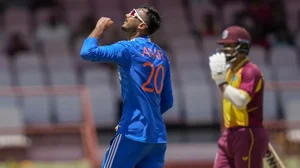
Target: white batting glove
(218, 67)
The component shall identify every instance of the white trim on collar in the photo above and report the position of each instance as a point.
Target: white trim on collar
(147, 37)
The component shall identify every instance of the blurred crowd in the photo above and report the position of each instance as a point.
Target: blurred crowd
(56, 25)
(266, 21)
(52, 26)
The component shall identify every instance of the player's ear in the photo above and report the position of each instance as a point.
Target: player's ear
(142, 26)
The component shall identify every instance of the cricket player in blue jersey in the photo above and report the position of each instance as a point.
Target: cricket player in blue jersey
(145, 78)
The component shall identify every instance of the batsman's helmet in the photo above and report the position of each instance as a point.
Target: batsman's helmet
(238, 36)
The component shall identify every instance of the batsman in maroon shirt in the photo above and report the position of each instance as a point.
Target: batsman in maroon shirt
(244, 142)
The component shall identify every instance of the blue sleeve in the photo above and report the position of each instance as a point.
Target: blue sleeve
(116, 53)
(167, 93)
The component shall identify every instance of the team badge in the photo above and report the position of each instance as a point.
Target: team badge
(234, 78)
(225, 34)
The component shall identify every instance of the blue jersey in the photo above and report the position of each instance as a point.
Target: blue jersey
(146, 87)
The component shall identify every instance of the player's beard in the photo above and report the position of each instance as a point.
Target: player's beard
(130, 30)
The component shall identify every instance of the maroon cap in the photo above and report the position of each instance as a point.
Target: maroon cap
(235, 34)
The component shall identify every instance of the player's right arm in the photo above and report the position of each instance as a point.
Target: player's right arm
(167, 99)
(241, 96)
(116, 53)
(251, 81)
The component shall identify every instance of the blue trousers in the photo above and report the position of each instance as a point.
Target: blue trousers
(126, 153)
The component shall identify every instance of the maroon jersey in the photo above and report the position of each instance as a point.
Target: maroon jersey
(248, 78)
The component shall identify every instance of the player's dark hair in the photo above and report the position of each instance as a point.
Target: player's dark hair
(154, 19)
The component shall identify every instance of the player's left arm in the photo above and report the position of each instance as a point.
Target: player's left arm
(167, 98)
(251, 81)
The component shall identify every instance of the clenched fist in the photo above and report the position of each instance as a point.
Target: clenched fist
(104, 23)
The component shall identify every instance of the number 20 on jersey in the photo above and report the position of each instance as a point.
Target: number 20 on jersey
(155, 71)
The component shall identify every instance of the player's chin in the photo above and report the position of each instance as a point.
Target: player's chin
(124, 28)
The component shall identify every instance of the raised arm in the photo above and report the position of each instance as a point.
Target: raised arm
(116, 53)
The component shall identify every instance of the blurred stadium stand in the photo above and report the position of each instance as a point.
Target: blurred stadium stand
(41, 40)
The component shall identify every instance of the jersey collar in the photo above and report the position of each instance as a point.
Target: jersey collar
(142, 37)
(242, 63)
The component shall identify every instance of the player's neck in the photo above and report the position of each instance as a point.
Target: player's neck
(131, 36)
(236, 65)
